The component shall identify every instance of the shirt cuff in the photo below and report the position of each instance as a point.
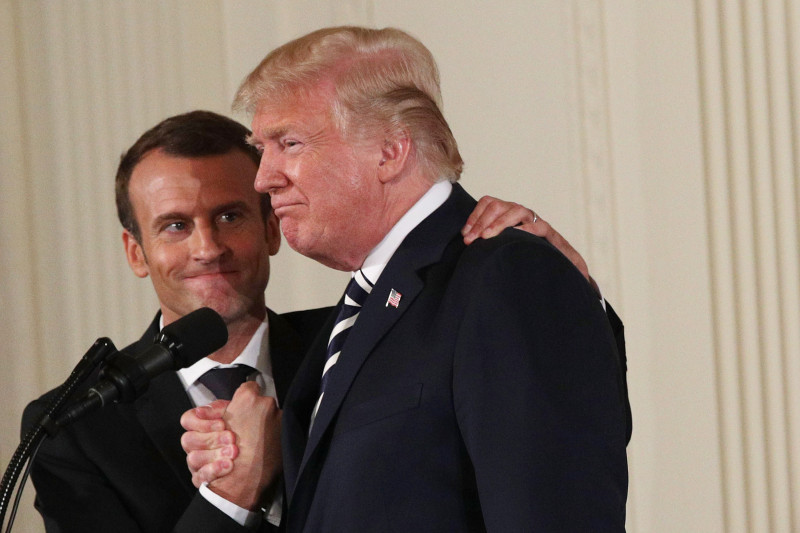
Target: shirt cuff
(273, 514)
(240, 515)
(597, 290)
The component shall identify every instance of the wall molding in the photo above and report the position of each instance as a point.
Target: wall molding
(750, 122)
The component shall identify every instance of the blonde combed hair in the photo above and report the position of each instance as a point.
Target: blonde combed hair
(383, 80)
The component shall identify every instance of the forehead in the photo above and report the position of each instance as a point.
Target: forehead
(161, 182)
(302, 110)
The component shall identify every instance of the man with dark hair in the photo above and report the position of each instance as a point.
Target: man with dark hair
(459, 388)
(194, 224)
(191, 135)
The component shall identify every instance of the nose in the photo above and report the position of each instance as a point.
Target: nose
(206, 244)
(270, 175)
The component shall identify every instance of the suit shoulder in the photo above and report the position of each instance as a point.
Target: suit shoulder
(308, 319)
(34, 411)
(527, 263)
(517, 246)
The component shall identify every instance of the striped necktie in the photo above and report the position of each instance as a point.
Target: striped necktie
(354, 297)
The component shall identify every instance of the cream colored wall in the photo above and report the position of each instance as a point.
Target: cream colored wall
(660, 137)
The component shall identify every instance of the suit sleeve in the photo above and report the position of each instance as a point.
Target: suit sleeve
(203, 516)
(537, 395)
(619, 336)
(73, 494)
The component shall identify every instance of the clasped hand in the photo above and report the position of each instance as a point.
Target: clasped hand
(244, 431)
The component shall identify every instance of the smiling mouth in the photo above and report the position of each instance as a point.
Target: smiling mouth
(215, 274)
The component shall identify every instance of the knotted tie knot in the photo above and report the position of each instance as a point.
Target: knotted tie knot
(223, 381)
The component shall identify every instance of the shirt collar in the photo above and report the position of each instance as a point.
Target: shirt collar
(379, 257)
(255, 354)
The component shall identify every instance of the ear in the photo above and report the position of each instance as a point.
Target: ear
(394, 156)
(273, 233)
(135, 255)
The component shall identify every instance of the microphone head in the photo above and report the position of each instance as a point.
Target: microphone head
(194, 336)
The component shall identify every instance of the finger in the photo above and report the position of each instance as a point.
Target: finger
(214, 410)
(483, 203)
(494, 216)
(196, 460)
(539, 228)
(512, 215)
(211, 472)
(248, 404)
(196, 440)
(487, 216)
(205, 418)
(247, 391)
(190, 422)
(555, 238)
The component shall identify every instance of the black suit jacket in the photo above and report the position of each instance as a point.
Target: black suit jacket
(122, 468)
(490, 399)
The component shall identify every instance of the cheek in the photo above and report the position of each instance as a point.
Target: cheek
(164, 260)
(251, 246)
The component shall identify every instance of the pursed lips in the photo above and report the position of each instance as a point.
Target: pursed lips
(283, 207)
(280, 203)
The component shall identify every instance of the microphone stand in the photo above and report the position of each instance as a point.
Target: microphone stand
(94, 357)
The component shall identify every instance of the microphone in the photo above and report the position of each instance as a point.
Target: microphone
(126, 376)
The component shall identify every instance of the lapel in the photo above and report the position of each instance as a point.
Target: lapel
(286, 350)
(421, 248)
(299, 403)
(159, 411)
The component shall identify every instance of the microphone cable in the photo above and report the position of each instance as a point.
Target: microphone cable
(96, 355)
(21, 487)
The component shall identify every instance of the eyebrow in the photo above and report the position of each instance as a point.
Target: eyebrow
(241, 205)
(269, 133)
(178, 215)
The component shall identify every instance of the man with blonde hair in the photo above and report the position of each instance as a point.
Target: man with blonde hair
(459, 388)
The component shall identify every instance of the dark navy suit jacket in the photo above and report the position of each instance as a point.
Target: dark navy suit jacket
(491, 399)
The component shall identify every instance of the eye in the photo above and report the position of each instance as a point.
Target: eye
(230, 216)
(290, 143)
(173, 227)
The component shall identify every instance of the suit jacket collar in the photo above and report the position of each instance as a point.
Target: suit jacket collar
(285, 351)
(159, 411)
(424, 246)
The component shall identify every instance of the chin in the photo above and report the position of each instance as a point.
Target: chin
(302, 244)
(228, 310)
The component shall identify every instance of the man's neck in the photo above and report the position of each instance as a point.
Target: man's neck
(380, 255)
(398, 198)
(239, 334)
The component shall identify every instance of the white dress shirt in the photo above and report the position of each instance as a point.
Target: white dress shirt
(256, 355)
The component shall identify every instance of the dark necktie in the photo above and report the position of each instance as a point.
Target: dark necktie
(354, 297)
(223, 382)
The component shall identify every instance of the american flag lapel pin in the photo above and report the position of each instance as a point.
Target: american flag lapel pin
(394, 299)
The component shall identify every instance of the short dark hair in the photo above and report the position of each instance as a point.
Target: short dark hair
(192, 134)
